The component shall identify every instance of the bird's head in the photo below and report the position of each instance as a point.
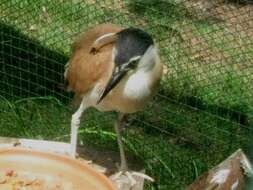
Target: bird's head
(136, 63)
(134, 51)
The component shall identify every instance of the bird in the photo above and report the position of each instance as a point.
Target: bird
(112, 68)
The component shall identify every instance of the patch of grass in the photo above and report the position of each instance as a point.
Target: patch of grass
(206, 60)
(178, 144)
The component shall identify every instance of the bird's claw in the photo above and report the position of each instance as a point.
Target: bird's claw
(142, 175)
(130, 177)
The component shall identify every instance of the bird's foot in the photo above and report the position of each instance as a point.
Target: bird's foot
(129, 177)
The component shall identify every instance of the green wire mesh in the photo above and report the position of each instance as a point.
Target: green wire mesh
(203, 111)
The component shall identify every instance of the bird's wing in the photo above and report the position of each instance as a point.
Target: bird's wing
(130, 46)
(85, 69)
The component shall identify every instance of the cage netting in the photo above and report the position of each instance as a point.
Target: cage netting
(203, 111)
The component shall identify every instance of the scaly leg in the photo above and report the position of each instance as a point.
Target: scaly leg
(118, 129)
(75, 123)
(123, 162)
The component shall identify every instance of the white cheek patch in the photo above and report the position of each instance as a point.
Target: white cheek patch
(148, 60)
(221, 176)
(137, 86)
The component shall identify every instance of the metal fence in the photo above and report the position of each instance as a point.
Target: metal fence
(203, 111)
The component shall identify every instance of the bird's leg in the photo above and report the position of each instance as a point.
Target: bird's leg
(123, 162)
(118, 129)
(75, 123)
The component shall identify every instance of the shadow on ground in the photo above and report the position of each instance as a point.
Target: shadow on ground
(27, 68)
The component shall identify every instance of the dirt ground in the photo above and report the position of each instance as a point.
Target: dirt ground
(238, 17)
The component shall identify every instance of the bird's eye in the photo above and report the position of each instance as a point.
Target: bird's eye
(134, 63)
